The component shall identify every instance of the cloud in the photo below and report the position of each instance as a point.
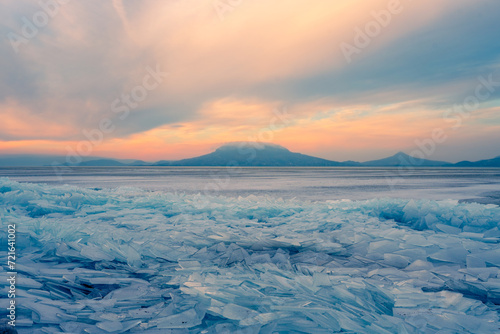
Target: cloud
(226, 76)
(120, 10)
(19, 122)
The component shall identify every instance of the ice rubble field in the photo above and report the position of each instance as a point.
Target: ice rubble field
(129, 260)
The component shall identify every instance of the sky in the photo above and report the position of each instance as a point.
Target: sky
(172, 79)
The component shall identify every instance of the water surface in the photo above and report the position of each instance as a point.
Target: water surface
(481, 184)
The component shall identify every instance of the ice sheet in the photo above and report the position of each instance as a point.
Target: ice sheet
(128, 260)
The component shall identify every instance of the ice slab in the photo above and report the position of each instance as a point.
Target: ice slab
(131, 261)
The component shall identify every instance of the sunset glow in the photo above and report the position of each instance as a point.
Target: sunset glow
(231, 68)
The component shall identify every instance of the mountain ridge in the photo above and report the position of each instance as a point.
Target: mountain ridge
(250, 155)
(243, 154)
(495, 162)
(402, 159)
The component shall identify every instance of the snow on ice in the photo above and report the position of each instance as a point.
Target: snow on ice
(127, 260)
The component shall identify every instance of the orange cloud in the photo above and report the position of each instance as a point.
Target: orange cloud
(20, 122)
(214, 67)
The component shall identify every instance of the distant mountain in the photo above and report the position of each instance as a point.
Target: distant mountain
(112, 162)
(495, 162)
(30, 160)
(103, 162)
(244, 155)
(249, 155)
(33, 160)
(403, 159)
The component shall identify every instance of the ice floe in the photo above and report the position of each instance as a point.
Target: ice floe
(127, 260)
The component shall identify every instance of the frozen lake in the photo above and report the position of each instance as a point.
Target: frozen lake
(252, 250)
(482, 184)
